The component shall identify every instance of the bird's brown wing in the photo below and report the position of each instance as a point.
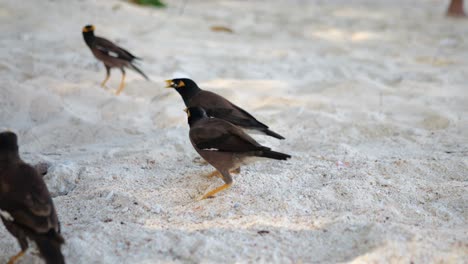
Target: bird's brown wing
(218, 135)
(218, 106)
(28, 201)
(110, 49)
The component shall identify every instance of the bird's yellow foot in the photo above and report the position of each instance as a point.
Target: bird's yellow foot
(16, 257)
(104, 86)
(118, 91)
(121, 86)
(103, 83)
(215, 191)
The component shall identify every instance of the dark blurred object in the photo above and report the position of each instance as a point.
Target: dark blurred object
(456, 9)
(156, 3)
(26, 208)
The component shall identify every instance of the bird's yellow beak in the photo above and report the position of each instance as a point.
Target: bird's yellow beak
(169, 83)
(188, 112)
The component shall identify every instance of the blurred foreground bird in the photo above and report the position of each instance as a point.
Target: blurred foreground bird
(26, 208)
(217, 106)
(455, 9)
(224, 145)
(111, 55)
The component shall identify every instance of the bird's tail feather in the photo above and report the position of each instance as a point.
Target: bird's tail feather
(139, 71)
(49, 247)
(274, 155)
(273, 134)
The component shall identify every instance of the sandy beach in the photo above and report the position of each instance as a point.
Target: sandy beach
(372, 97)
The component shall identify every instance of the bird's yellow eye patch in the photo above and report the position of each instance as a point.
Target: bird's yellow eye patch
(174, 84)
(188, 112)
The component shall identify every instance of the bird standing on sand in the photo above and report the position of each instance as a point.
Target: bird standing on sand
(26, 208)
(224, 146)
(217, 106)
(111, 55)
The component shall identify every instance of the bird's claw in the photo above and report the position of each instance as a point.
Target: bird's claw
(16, 257)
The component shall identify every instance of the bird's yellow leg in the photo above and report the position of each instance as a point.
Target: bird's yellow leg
(103, 83)
(122, 84)
(16, 257)
(218, 174)
(214, 173)
(215, 191)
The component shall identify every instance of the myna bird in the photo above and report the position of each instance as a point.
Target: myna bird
(111, 55)
(26, 208)
(224, 145)
(217, 106)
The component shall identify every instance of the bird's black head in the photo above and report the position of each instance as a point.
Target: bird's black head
(88, 28)
(8, 142)
(183, 83)
(185, 87)
(195, 113)
(88, 34)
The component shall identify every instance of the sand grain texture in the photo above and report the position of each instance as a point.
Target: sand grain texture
(371, 96)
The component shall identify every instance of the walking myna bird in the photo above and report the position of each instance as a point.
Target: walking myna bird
(217, 106)
(224, 145)
(26, 208)
(111, 55)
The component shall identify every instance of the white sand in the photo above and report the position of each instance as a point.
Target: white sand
(372, 97)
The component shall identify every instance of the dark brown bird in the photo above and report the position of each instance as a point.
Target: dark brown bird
(225, 146)
(26, 208)
(218, 106)
(111, 55)
(455, 9)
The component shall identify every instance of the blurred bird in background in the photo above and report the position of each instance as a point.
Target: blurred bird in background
(111, 55)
